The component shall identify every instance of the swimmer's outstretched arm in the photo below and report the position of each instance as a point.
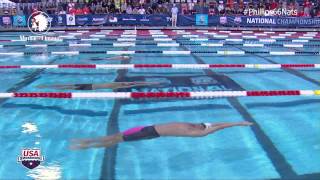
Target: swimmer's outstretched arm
(219, 126)
(194, 130)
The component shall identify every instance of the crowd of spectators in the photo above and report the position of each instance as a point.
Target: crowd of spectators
(304, 8)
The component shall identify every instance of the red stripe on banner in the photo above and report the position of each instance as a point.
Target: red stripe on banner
(77, 66)
(273, 93)
(153, 65)
(9, 67)
(43, 95)
(296, 65)
(226, 65)
(138, 95)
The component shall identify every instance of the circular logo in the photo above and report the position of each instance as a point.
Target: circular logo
(223, 20)
(237, 20)
(38, 23)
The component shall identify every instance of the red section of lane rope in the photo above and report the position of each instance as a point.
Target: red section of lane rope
(296, 65)
(76, 66)
(226, 65)
(143, 32)
(169, 32)
(273, 93)
(137, 95)
(116, 32)
(9, 67)
(43, 95)
(153, 65)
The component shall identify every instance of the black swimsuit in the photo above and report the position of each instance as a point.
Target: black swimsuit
(139, 133)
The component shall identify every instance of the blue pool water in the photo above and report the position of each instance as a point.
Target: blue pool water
(283, 143)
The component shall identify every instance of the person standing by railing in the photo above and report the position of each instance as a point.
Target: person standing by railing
(174, 15)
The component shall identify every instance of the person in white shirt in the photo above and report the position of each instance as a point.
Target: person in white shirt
(129, 9)
(221, 7)
(141, 10)
(174, 15)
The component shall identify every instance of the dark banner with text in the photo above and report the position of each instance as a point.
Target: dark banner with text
(165, 20)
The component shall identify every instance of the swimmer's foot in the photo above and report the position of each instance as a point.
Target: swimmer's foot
(79, 144)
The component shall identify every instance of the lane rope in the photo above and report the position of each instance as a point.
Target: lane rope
(165, 44)
(170, 52)
(159, 95)
(163, 66)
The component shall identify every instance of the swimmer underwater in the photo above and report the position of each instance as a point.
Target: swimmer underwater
(154, 131)
(113, 85)
(120, 58)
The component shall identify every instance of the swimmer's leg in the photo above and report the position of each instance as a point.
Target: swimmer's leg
(107, 141)
(57, 86)
(114, 85)
(97, 59)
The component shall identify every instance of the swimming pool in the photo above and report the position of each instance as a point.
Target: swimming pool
(284, 143)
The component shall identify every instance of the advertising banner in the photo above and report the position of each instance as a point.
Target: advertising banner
(19, 21)
(202, 19)
(71, 20)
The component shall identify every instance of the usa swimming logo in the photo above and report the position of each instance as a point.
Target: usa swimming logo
(39, 23)
(31, 158)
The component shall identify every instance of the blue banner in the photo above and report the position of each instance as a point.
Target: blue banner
(6, 20)
(98, 20)
(262, 21)
(83, 20)
(143, 20)
(186, 20)
(155, 20)
(57, 20)
(202, 19)
(19, 21)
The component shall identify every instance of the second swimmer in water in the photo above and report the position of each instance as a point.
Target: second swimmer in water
(154, 131)
(113, 85)
(120, 58)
